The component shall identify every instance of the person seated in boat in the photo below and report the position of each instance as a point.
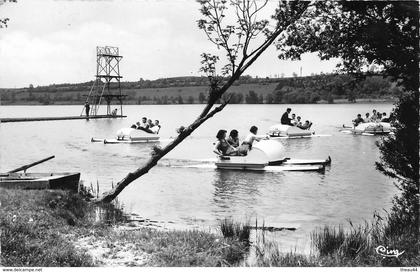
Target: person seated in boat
(358, 120)
(306, 125)
(293, 121)
(143, 123)
(378, 117)
(135, 125)
(374, 116)
(299, 122)
(144, 126)
(156, 127)
(384, 118)
(285, 120)
(367, 118)
(233, 139)
(222, 147)
(249, 140)
(114, 112)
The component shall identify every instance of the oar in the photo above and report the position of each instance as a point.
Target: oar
(30, 165)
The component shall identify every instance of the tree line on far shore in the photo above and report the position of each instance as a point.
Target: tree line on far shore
(324, 88)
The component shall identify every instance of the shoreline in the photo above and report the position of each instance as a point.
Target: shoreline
(51, 228)
(321, 102)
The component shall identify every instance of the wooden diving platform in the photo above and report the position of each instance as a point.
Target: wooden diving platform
(56, 118)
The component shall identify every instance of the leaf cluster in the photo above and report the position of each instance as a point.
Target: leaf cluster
(383, 33)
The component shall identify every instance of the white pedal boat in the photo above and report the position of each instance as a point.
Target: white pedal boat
(369, 129)
(267, 155)
(291, 132)
(130, 136)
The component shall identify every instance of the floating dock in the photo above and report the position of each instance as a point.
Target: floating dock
(55, 118)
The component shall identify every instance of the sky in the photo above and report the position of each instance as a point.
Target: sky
(54, 41)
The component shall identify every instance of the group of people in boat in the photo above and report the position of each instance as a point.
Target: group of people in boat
(375, 117)
(232, 146)
(294, 121)
(147, 125)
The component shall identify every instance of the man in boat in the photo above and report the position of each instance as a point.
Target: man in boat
(285, 120)
(145, 126)
(358, 120)
(367, 118)
(156, 127)
(143, 123)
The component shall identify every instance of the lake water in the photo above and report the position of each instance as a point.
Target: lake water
(196, 198)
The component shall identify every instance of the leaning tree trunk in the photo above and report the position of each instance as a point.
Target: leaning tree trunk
(207, 113)
(158, 153)
(215, 94)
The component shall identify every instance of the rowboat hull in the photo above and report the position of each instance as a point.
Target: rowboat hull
(58, 181)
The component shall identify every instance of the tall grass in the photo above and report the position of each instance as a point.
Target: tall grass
(238, 237)
(109, 213)
(231, 229)
(328, 239)
(354, 246)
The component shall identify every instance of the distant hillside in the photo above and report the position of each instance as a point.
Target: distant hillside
(191, 90)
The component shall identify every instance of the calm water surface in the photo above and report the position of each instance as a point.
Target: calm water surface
(196, 198)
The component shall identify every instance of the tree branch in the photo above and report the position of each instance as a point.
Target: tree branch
(111, 195)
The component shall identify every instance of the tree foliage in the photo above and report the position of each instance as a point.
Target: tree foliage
(4, 21)
(361, 33)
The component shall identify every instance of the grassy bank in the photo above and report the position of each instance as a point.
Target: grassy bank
(57, 228)
(34, 224)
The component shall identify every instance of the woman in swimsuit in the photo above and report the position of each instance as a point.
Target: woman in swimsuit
(223, 148)
(233, 139)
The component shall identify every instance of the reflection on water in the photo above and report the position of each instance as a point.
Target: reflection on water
(235, 188)
(190, 197)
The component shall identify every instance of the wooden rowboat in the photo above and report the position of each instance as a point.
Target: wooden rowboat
(62, 181)
(15, 179)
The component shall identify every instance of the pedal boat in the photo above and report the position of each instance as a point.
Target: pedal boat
(267, 155)
(369, 129)
(130, 136)
(286, 131)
